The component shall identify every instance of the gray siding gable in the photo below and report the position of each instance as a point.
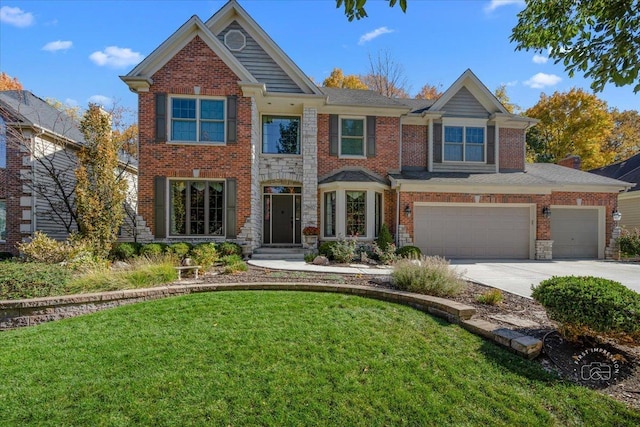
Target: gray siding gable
(262, 66)
(464, 104)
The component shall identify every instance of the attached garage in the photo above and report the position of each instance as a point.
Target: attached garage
(472, 231)
(575, 232)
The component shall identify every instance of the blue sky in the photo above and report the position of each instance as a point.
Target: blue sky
(75, 50)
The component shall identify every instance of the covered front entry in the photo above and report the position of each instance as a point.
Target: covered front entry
(574, 232)
(472, 231)
(282, 215)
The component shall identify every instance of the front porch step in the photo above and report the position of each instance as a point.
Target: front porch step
(283, 253)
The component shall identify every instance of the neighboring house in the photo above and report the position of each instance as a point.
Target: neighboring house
(629, 201)
(38, 147)
(237, 143)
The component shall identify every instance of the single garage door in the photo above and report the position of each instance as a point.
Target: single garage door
(574, 233)
(473, 232)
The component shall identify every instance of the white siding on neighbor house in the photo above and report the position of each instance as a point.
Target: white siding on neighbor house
(464, 104)
(629, 207)
(260, 64)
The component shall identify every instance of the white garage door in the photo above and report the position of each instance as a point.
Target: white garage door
(574, 233)
(473, 232)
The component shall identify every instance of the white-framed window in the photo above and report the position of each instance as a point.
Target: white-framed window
(352, 137)
(464, 142)
(3, 220)
(352, 211)
(196, 208)
(280, 134)
(195, 119)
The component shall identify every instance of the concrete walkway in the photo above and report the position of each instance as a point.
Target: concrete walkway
(511, 276)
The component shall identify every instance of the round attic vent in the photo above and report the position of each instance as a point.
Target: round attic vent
(235, 40)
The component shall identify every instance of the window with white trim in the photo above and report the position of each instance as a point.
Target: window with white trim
(280, 134)
(330, 214)
(198, 120)
(464, 143)
(352, 136)
(356, 210)
(196, 208)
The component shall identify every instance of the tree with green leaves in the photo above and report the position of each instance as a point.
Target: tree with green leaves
(600, 38)
(571, 123)
(354, 9)
(100, 189)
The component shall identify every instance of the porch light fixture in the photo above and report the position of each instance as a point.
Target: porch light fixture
(546, 212)
(617, 216)
(407, 211)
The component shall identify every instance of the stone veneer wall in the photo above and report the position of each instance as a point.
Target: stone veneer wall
(310, 168)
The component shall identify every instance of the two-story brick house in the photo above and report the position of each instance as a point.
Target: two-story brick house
(237, 143)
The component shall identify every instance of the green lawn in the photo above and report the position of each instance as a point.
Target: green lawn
(278, 358)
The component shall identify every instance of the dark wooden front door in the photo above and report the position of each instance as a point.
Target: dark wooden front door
(282, 219)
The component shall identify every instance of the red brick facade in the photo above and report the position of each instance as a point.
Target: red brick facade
(512, 149)
(415, 142)
(195, 65)
(11, 192)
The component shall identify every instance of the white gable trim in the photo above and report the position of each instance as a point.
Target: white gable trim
(176, 42)
(477, 89)
(232, 11)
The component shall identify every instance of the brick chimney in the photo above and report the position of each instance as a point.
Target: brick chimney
(571, 161)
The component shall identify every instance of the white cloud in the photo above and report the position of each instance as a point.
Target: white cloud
(71, 102)
(102, 100)
(511, 83)
(540, 59)
(542, 80)
(373, 34)
(494, 4)
(57, 45)
(15, 16)
(116, 57)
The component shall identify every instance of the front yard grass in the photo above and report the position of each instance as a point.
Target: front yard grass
(278, 358)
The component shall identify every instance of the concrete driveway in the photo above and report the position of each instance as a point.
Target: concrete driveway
(517, 276)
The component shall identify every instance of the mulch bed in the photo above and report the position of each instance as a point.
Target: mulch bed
(609, 367)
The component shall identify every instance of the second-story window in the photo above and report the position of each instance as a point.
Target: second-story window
(3, 144)
(464, 144)
(280, 135)
(197, 120)
(352, 138)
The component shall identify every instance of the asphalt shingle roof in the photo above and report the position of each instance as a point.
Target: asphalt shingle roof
(536, 174)
(32, 110)
(339, 96)
(626, 170)
(353, 176)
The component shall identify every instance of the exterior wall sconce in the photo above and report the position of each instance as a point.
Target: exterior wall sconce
(546, 212)
(617, 216)
(407, 211)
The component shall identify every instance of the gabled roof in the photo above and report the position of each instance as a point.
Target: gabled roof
(232, 11)
(476, 87)
(140, 77)
(626, 170)
(30, 110)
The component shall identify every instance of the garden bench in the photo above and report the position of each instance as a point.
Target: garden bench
(182, 268)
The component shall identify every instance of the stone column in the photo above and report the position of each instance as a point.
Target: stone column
(310, 167)
(544, 249)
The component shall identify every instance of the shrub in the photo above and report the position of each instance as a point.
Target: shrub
(5, 256)
(181, 249)
(586, 305)
(20, 280)
(385, 256)
(344, 250)
(125, 251)
(491, 297)
(235, 267)
(230, 259)
(204, 254)
(384, 238)
(427, 275)
(326, 249)
(50, 251)
(230, 248)
(630, 242)
(152, 249)
(408, 251)
(310, 257)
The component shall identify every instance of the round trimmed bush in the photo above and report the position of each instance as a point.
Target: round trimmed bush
(408, 251)
(586, 304)
(229, 248)
(152, 249)
(325, 249)
(125, 251)
(181, 249)
(204, 254)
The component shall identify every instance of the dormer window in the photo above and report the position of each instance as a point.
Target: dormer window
(464, 142)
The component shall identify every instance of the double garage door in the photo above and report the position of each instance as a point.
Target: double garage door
(474, 231)
(502, 231)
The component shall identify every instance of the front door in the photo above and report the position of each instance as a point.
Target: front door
(282, 210)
